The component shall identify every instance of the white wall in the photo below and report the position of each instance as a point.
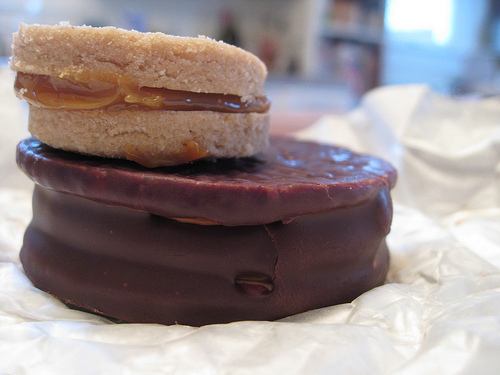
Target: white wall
(411, 58)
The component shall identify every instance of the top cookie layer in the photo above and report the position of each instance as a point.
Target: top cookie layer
(148, 59)
(289, 179)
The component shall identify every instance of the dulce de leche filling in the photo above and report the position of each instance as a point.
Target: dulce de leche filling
(190, 151)
(114, 92)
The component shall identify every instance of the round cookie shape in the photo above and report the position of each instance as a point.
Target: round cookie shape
(150, 59)
(291, 178)
(138, 267)
(153, 98)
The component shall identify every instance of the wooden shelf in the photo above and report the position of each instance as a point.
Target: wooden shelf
(351, 40)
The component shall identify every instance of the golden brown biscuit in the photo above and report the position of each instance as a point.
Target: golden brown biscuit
(150, 97)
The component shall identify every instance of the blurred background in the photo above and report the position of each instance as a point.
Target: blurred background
(322, 55)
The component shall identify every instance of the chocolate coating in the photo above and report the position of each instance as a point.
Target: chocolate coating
(139, 267)
(290, 179)
(123, 260)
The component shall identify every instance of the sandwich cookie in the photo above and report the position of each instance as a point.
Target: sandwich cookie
(149, 97)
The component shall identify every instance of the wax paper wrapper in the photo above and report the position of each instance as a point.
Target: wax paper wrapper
(438, 312)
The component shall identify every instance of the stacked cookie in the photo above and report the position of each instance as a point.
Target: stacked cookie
(150, 97)
(160, 197)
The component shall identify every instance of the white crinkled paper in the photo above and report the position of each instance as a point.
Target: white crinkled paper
(447, 151)
(438, 313)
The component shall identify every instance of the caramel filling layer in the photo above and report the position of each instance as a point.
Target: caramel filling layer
(114, 92)
(191, 151)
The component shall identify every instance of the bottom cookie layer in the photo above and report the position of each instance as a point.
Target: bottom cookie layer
(138, 267)
(151, 137)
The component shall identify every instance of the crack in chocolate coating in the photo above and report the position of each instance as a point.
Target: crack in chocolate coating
(290, 179)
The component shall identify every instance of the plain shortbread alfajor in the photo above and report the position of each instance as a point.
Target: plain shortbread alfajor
(149, 97)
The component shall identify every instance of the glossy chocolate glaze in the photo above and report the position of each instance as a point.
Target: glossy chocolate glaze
(100, 238)
(290, 179)
(139, 267)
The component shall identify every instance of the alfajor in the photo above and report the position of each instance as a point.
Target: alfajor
(149, 97)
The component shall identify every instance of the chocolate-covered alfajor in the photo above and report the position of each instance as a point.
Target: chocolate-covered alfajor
(300, 227)
(159, 227)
